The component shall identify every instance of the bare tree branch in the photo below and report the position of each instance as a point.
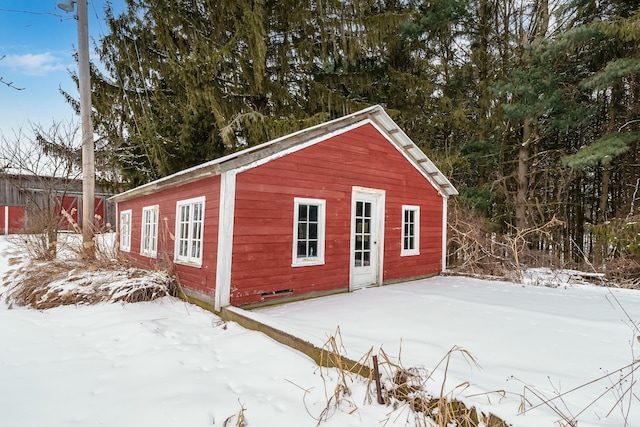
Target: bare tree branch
(8, 84)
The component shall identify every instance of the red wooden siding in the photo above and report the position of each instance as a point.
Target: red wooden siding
(99, 212)
(202, 278)
(263, 230)
(16, 219)
(70, 204)
(11, 219)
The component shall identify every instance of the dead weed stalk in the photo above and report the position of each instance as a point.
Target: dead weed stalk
(408, 386)
(240, 420)
(338, 393)
(621, 384)
(405, 389)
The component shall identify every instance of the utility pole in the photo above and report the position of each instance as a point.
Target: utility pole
(88, 161)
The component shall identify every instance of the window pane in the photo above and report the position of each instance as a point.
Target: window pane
(358, 208)
(358, 243)
(313, 248)
(302, 213)
(367, 242)
(196, 231)
(313, 231)
(302, 231)
(366, 259)
(358, 225)
(302, 249)
(313, 213)
(367, 210)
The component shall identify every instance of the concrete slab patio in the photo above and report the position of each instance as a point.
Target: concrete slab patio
(523, 338)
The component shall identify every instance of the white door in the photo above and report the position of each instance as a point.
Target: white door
(367, 231)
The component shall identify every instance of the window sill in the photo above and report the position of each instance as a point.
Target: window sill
(194, 264)
(149, 255)
(409, 253)
(308, 263)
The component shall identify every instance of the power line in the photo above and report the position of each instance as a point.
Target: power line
(30, 12)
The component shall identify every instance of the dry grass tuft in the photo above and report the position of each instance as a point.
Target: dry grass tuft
(404, 389)
(69, 279)
(338, 393)
(240, 420)
(408, 386)
(47, 284)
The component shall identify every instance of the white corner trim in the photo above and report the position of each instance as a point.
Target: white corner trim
(6, 220)
(226, 215)
(444, 234)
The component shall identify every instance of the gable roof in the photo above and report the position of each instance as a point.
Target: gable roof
(284, 145)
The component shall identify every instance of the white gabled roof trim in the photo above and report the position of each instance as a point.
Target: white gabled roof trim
(274, 149)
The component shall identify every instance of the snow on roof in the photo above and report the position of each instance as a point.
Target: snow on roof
(279, 146)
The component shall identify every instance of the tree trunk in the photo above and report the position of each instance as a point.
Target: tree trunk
(483, 86)
(603, 206)
(541, 25)
(523, 175)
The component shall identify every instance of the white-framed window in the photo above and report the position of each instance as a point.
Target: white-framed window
(189, 230)
(125, 230)
(149, 241)
(308, 231)
(410, 230)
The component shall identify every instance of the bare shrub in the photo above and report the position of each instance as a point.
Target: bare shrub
(617, 238)
(473, 248)
(623, 272)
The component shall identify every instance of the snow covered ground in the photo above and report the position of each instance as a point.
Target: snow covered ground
(167, 363)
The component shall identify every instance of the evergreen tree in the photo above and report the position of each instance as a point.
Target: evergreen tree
(190, 81)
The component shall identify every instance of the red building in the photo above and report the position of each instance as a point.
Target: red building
(346, 204)
(26, 199)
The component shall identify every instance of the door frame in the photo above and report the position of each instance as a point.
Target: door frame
(377, 252)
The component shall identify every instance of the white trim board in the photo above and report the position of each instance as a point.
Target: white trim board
(226, 214)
